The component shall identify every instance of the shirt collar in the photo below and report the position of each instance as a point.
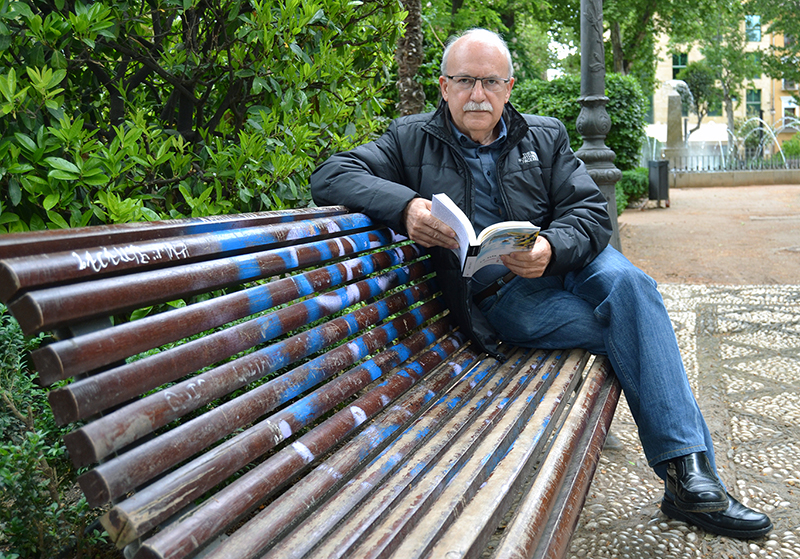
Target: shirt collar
(466, 141)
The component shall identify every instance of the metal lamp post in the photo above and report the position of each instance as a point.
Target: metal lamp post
(593, 121)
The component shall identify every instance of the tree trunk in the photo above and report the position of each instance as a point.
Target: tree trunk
(616, 49)
(409, 55)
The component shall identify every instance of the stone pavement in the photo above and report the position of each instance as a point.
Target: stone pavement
(741, 349)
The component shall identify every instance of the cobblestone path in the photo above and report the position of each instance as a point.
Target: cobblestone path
(741, 349)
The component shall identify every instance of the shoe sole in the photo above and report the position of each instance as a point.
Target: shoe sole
(672, 511)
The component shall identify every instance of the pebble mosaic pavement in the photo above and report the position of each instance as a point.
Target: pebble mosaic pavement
(741, 350)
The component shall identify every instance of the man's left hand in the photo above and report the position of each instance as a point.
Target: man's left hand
(532, 263)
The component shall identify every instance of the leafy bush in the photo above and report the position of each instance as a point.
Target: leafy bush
(791, 147)
(559, 98)
(634, 185)
(123, 111)
(39, 515)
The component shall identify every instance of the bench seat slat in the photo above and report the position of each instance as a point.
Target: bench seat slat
(141, 512)
(140, 464)
(462, 537)
(56, 240)
(367, 497)
(403, 534)
(577, 452)
(81, 354)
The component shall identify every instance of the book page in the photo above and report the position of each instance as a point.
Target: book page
(499, 239)
(443, 208)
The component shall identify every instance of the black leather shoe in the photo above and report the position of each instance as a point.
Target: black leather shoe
(737, 521)
(693, 484)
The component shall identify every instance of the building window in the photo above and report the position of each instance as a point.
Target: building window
(790, 112)
(679, 62)
(752, 28)
(753, 103)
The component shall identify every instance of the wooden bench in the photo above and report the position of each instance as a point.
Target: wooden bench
(312, 399)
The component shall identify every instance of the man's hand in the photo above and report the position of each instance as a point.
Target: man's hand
(425, 229)
(532, 263)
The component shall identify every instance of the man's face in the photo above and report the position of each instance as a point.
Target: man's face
(476, 111)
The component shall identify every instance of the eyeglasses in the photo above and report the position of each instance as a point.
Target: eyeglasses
(466, 83)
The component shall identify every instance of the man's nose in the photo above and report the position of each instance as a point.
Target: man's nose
(478, 93)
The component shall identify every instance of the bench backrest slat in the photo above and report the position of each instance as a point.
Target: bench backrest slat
(53, 307)
(124, 426)
(27, 272)
(57, 240)
(84, 353)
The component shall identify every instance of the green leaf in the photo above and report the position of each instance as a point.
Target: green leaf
(8, 84)
(18, 168)
(25, 141)
(96, 180)
(58, 220)
(51, 201)
(62, 165)
(8, 217)
(63, 175)
(14, 192)
(140, 313)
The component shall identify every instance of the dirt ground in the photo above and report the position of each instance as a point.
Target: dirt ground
(747, 235)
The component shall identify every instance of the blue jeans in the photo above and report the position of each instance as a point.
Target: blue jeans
(612, 308)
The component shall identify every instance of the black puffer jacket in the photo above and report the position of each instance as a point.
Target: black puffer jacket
(539, 176)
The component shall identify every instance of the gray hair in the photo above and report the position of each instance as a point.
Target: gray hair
(489, 36)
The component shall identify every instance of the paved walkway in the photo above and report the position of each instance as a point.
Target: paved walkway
(741, 348)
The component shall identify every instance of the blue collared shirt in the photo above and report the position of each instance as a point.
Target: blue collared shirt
(489, 209)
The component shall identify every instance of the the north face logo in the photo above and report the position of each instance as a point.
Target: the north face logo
(528, 157)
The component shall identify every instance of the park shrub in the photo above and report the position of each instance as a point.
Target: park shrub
(636, 182)
(559, 98)
(124, 111)
(634, 185)
(791, 147)
(40, 512)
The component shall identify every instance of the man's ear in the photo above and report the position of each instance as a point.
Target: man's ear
(443, 87)
(510, 87)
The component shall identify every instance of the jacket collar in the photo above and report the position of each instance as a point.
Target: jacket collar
(440, 122)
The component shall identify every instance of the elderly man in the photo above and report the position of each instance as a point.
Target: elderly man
(570, 290)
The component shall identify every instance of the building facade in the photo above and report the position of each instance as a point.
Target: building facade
(769, 102)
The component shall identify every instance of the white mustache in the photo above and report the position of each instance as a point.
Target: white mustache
(473, 106)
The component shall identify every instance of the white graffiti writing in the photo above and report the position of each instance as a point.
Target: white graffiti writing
(106, 257)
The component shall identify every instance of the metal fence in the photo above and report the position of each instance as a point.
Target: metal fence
(716, 162)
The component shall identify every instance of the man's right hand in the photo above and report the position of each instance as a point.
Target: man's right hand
(425, 229)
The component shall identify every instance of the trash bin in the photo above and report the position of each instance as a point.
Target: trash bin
(659, 180)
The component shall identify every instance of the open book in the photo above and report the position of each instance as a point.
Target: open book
(475, 252)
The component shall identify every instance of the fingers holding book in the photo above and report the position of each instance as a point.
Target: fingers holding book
(425, 229)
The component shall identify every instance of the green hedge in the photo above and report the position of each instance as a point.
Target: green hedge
(124, 111)
(634, 185)
(559, 98)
